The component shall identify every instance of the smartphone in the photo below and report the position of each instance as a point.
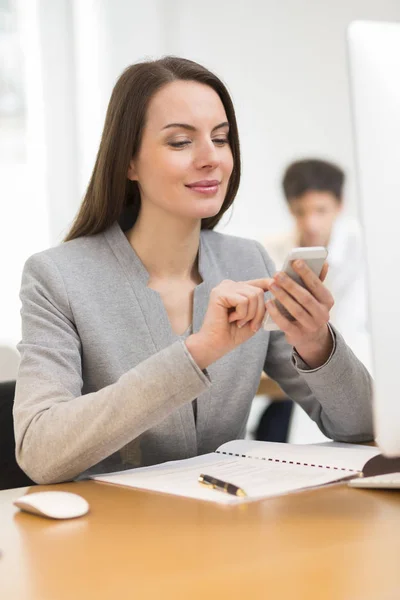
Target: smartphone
(314, 257)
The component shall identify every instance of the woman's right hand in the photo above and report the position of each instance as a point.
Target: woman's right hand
(234, 314)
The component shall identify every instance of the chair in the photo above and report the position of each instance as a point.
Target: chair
(11, 475)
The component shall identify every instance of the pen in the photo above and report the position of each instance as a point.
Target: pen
(222, 486)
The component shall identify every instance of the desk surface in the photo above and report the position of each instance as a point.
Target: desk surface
(331, 543)
(269, 387)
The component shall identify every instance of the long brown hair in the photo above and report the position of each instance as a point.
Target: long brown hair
(110, 195)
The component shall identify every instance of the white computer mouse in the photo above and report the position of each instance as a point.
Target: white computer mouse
(55, 505)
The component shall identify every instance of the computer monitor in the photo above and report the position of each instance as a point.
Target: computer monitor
(374, 61)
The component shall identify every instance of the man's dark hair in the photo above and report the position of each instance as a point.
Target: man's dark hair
(312, 175)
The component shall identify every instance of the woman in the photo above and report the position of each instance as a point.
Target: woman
(141, 338)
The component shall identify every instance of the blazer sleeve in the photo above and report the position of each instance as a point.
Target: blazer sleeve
(337, 395)
(59, 432)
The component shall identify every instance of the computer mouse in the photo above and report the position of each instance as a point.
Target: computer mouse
(55, 505)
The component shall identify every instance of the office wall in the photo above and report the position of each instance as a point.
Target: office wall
(283, 61)
(24, 214)
(285, 64)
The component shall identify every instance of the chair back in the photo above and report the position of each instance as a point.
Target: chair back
(11, 475)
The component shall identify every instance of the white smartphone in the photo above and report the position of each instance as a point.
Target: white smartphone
(314, 257)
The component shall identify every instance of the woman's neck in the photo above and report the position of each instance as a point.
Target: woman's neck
(167, 249)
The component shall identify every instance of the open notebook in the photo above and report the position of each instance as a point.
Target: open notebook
(261, 469)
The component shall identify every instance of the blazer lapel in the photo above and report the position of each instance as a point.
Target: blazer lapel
(158, 325)
(211, 275)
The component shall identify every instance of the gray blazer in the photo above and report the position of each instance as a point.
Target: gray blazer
(105, 384)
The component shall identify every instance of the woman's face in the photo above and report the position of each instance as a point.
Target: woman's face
(185, 160)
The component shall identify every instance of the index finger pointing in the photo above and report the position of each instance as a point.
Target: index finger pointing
(264, 283)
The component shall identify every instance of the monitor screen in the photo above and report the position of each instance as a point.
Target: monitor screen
(374, 63)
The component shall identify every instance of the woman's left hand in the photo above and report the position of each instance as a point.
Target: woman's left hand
(309, 333)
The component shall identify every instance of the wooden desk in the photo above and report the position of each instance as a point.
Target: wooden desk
(269, 387)
(328, 544)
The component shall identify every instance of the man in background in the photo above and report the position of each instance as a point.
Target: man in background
(314, 193)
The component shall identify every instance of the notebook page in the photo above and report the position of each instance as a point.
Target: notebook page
(258, 478)
(177, 477)
(329, 455)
